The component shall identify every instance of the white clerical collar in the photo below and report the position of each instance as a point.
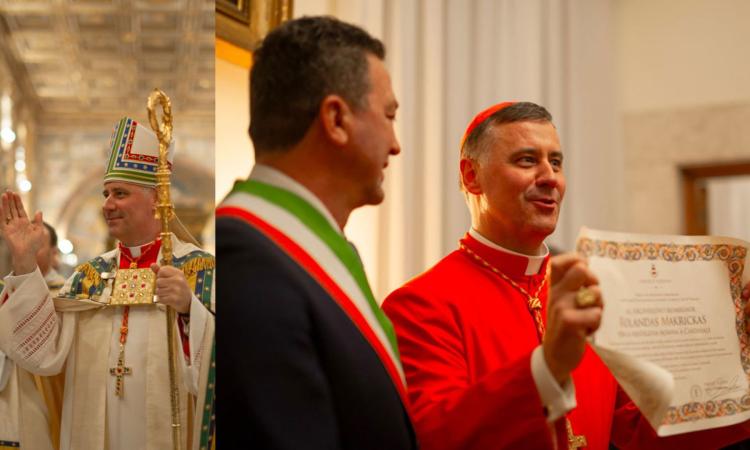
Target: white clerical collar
(534, 262)
(136, 250)
(274, 177)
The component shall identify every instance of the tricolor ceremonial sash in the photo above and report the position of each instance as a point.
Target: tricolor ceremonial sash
(305, 235)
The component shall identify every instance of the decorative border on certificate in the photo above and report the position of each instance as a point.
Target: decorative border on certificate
(734, 257)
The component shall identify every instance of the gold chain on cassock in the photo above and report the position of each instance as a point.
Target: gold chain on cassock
(535, 308)
(120, 370)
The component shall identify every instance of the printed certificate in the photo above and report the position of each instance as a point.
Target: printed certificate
(673, 325)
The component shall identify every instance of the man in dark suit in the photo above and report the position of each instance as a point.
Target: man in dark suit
(306, 358)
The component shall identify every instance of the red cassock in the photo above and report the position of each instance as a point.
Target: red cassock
(466, 335)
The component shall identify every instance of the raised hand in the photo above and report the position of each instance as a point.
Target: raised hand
(24, 237)
(568, 324)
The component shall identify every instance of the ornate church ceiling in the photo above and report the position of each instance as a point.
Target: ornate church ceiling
(89, 59)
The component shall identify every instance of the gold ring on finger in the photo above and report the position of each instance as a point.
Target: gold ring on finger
(585, 297)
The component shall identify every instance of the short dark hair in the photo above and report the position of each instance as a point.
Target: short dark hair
(296, 66)
(473, 146)
(52, 235)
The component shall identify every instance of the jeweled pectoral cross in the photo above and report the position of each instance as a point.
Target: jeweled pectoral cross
(119, 373)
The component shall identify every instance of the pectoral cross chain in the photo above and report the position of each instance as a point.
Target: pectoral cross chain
(535, 308)
(574, 442)
(120, 370)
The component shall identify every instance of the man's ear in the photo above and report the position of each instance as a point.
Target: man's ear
(470, 176)
(334, 115)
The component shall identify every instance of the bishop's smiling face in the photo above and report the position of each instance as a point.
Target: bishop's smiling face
(129, 212)
(521, 182)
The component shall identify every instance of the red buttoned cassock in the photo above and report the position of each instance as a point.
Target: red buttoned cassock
(466, 335)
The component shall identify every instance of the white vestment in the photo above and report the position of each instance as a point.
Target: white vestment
(42, 335)
(24, 417)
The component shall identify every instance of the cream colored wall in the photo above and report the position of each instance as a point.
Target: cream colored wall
(234, 155)
(314, 7)
(658, 142)
(682, 53)
(684, 96)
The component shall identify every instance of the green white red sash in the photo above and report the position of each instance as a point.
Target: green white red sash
(310, 240)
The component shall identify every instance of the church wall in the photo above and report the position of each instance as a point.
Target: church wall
(234, 154)
(681, 53)
(657, 142)
(684, 99)
(19, 113)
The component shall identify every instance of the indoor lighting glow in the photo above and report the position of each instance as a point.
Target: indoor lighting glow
(24, 185)
(7, 135)
(65, 246)
(70, 259)
(20, 165)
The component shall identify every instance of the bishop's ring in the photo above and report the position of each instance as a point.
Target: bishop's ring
(585, 297)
